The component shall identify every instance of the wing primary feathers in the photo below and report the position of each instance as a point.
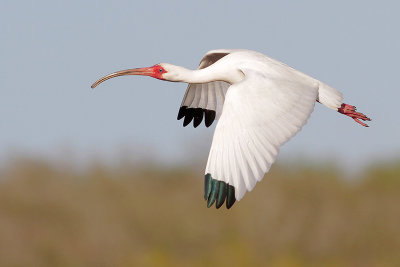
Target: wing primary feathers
(209, 117)
(204, 95)
(223, 188)
(198, 116)
(230, 197)
(218, 191)
(189, 95)
(214, 192)
(188, 117)
(207, 185)
(182, 112)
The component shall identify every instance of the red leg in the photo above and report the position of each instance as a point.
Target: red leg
(351, 112)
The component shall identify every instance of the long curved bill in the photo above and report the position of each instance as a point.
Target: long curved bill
(139, 71)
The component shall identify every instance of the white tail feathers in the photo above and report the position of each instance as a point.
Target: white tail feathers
(329, 96)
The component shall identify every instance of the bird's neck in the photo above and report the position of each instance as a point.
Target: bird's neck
(209, 74)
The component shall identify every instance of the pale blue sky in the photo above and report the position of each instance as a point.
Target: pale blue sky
(52, 51)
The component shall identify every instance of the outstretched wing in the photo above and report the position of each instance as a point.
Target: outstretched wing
(260, 114)
(205, 99)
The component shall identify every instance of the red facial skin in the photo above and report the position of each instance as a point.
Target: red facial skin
(158, 71)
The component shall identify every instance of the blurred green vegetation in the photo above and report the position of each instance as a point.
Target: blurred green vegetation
(52, 215)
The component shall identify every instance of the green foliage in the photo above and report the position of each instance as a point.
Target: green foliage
(104, 216)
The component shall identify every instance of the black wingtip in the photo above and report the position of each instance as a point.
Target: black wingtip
(218, 191)
(181, 112)
(188, 117)
(197, 116)
(207, 185)
(214, 193)
(209, 117)
(223, 188)
(230, 197)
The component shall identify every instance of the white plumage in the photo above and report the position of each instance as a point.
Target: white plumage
(260, 113)
(260, 103)
(210, 96)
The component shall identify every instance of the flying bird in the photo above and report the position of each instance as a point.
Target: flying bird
(259, 102)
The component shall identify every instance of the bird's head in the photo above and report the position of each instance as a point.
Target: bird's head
(161, 71)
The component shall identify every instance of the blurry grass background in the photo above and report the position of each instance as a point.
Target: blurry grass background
(142, 215)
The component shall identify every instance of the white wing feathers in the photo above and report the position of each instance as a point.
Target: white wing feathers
(207, 97)
(259, 115)
(210, 96)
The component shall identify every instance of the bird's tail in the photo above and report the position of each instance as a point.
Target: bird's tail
(329, 96)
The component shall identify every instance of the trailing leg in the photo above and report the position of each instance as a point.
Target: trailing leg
(350, 111)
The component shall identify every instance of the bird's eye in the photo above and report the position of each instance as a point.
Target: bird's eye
(160, 70)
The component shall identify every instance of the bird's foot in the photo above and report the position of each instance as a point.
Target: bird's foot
(350, 111)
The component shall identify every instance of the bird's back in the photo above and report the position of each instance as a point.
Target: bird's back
(270, 68)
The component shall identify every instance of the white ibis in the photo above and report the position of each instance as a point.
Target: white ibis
(260, 103)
